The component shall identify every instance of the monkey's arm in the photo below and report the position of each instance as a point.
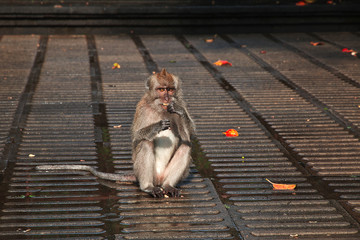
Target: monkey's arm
(149, 132)
(183, 113)
(102, 175)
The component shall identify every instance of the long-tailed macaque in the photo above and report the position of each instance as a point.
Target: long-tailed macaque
(161, 139)
(161, 136)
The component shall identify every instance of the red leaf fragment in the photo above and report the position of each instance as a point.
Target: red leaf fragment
(352, 52)
(346, 50)
(301, 3)
(231, 133)
(222, 63)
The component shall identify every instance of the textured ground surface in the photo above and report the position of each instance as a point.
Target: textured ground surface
(296, 107)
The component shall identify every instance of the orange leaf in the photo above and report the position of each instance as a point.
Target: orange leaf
(301, 3)
(278, 186)
(231, 133)
(222, 63)
(115, 65)
(316, 43)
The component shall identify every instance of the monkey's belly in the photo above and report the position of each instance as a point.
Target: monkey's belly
(165, 145)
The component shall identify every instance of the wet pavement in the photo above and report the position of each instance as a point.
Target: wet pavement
(296, 107)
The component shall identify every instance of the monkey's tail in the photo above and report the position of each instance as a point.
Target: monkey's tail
(102, 175)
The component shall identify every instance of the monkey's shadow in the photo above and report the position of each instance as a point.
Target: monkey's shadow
(183, 185)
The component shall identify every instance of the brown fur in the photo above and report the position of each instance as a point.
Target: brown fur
(150, 120)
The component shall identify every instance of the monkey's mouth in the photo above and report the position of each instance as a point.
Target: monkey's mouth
(165, 104)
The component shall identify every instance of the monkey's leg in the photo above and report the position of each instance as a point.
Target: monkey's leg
(177, 169)
(144, 162)
(144, 165)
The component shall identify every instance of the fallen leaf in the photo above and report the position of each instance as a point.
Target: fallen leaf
(263, 52)
(115, 65)
(222, 63)
(278, 186)
(346, 50)
(316, 43)
(210, 39)
(231, 133)
(301, 3)
(31, 155)
(225, 196)
(118, 126)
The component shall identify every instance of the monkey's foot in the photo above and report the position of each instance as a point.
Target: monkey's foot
(172, 192)
(157, 192)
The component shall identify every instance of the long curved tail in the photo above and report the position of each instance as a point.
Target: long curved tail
(102, 175)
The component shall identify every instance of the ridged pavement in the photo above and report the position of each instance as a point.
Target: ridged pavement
(296, 108)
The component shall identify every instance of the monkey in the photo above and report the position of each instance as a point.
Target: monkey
(161, 131)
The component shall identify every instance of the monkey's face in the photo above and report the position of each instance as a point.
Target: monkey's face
(165, 95)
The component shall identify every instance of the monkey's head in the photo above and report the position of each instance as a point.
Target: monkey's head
(163, 87)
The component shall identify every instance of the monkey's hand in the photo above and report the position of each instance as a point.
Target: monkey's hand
(164, 124)
(171, 108)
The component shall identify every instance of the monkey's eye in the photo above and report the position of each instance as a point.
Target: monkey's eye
(161, 89)
(166, 89)
(170, 89)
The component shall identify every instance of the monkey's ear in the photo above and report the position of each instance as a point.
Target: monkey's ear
(147, 83)
(150, 81)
